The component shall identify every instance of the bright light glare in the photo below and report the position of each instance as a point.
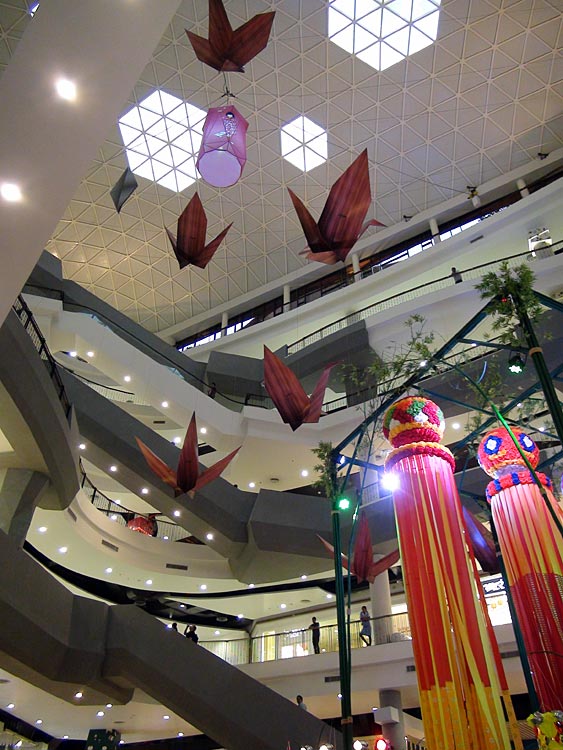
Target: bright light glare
(390, 482)
(10, 192)
(66, 89)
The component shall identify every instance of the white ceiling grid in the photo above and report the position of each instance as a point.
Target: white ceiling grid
(486, 97)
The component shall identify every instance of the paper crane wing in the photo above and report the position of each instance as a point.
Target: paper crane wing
(363, 550)
(212, 472)
(313, 235)
(328, 257)
(251, 38)
(313, 411)
(376, 568)
(188, 465)
(189, 245)
(347, 205)
(227, 50)
(482, 542)
(285, 390)
(157, 465)
(328, 546)
(123, 189)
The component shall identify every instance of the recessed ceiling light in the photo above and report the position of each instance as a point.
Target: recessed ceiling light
(113, 517)
(541, 429)
(177, 440)
(42, 529)
(252, 485)
(455, 425)
(63, 550)
(203, 430)
(166, 717)
(217, 632)
(73, 353)
(109, 570)
(10, 192)
(210, 537)
(117, 501)
(11, 705)
(251, 585)
(165, 538)
(329, 596)
(149, 582)
(78, 695)
(100, 714)
(182, 606)
(144, 490)
(90, 354)
(180, 734)
(113, 468)
(127, 378)
(66, 89)
(303, 577)
(240, 617)
(39, 721)
(65, 736)
(304, 473)
(203, 587)
(283, 606)
(109, 705)
(82, 446)
(177, 514)
(339, 696)
(164, 404)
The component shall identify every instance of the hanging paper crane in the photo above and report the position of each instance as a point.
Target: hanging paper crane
(227, 50)
(189, 246)
(187, 477)
(342, 221)
(288, 395)
(363, 565)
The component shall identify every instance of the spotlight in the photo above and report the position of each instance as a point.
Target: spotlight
(390, 482)
(360, 745)
(343, 503)
(516, 364)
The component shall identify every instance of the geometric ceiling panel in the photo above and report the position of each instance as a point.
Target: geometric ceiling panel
(484, 98)
(383, 32)
(303, 143)
(162, 136)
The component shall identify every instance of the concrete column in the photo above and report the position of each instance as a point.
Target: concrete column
(390, 716)
(286, 297)
(356, 266)
(435, 229)
(224, 322)
(380, 599)
(20, 492)
(521, 185)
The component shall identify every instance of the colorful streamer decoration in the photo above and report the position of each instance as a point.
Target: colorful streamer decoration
(532, 550)
(548, 728)
(462, 694)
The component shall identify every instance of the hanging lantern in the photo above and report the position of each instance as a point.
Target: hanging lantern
(222, 155)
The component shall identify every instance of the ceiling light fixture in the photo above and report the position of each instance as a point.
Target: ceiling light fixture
(66, 89)
(109, 570)
(166, 717)
(252, 485)
(217, 632)
(177, 514)
(251, 585)
(63, 550)
(73, 353)
(390, 482)
(164, 404)
(109, 705)
(11, 705)
(113, 468)
(203, 430)
(303, 577)
(210, 537)
(177, 440)
(90, 354)
(455, 425)
(516, 364)
(42, 529)
(10, 192)
(39, 721)
(78, 695)
(82, 446)
(127, 378)
(148, 582)
(203, 587)
(99, 714)
(304, 473)
(144, 490)
(283, 606)
(113, 517)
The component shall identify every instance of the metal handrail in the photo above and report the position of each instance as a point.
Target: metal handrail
(28, 321)
(298, 642)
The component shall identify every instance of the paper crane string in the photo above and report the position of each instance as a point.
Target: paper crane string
(342, 220)
(363, 565)
(288, 395)
(189, 245)
(227, 50)
(187, 477)
(123, 189)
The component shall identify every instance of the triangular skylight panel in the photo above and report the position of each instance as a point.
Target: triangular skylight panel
(407, 26)
(149, 128)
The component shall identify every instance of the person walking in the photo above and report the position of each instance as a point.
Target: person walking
(190, 633)
(300, 703)
(365, 632)
(315, 628)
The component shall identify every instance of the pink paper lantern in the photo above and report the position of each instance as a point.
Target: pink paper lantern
(222, 155)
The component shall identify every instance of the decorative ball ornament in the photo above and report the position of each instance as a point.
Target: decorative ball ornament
(413, 419)
(498, 455)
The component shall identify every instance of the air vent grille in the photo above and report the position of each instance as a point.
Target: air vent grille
(72, 514)
(114, 547)
(332, 678)
(174, 566)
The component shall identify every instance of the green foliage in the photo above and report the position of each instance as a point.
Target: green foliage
(510, 290)
(327, 470)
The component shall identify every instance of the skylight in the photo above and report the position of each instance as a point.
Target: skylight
(304, 143)
(383, 32)
(162, 136)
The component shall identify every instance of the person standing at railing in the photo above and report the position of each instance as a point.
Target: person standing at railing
(190, 633)
(365, 632)
(315, 628)
(301, 703)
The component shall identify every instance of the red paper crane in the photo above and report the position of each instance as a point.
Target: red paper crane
(288, 395)
(187, 477)
(189, 246)
(342, 221)
(363, 566)
(227, 50)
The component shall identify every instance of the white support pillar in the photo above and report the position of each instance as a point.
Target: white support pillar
(435, 230)
(286, 297)
(380, 600)
(521, 185)
(390, 716)
(356, 266)
(224, 322)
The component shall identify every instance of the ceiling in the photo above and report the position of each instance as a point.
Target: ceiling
(485, 98)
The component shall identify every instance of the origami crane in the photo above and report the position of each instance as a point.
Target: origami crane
(288, 395)
(342, 221)
(123, 189)
(227, 50)
(189, 246)
(187, 477)
(363, 566)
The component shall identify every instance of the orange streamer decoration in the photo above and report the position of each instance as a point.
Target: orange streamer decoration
(457, 666)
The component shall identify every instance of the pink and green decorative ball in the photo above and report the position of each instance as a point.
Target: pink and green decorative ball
(498, 455)
(413, 419)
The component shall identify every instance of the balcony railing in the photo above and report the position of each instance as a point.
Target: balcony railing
(295, 643)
